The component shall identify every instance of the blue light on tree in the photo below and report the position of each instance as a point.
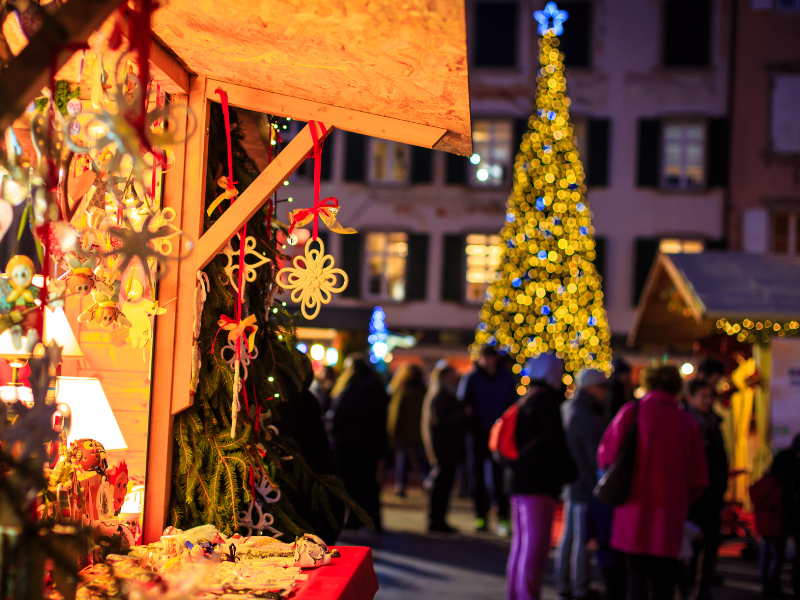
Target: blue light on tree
(382, 341)
(551, 19)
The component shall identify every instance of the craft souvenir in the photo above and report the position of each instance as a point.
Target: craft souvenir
(139, 312)
(311, 551)
(80, 277)
(312, 279)
(19, 319)
(118, 480)
(105, 311)
(89, 455)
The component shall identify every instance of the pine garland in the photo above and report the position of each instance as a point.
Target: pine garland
(212, 471)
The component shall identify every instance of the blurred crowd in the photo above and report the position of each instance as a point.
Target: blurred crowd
(662, 539)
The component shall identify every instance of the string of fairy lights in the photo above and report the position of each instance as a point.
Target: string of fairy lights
(547, 295)
(750, 332)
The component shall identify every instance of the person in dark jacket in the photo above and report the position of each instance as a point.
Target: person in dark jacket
(488, 390)
(535, 479)
(359, 435)
(584, 421)
(706, 512)
(408, 390)
(444, 421)
(300, 419)
(621, 388)
(786, 469)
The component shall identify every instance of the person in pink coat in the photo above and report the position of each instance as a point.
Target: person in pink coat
(670, 473)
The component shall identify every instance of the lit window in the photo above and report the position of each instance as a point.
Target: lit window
(388, 162)
(785, 234)
(684, 155)
(491, 147)
(678, 246)
(484, 254)
(785, 113)
(386, 254)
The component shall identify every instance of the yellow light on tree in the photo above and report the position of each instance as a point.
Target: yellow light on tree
(548, 295)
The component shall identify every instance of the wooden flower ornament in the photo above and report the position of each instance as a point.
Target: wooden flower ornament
(312, 279)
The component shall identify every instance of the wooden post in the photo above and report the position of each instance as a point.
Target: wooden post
(159, 443)
(255, 195)
(194, 185)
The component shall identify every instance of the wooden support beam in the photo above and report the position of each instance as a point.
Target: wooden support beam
(194, 185)
(347, 119)
(159, 441)
(166, 71)
(254, 196)
(28, 72)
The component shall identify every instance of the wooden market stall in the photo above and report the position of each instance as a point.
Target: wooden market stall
(748, 301)
(390, 70)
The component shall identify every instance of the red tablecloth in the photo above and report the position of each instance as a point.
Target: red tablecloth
(350, 577)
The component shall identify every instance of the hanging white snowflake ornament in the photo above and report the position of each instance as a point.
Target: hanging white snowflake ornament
(312, 279)
(249, 267)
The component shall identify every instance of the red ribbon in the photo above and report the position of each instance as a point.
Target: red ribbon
(321, 208)
(318, 143)
(223, 97)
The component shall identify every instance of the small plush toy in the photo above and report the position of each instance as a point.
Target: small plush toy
(20, 271)
(81, 278)
(105, 311)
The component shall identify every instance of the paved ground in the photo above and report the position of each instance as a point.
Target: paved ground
(412, 564)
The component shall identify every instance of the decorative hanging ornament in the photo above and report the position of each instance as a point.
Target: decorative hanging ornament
(249, 268)
(312, 279)
(327, 211)
(244, 357)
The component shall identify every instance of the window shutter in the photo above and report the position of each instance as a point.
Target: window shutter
(457, 169)
(687, 33)
(496, 34)
(417, 267)
(327, 158)
(421, 165)
(599, 138)
(576, 40)
(649, 152)
(355, 157)
(721, 244)
(646, 251)
(717, 152)
(351, 263)
(600, 259)
(454, 267)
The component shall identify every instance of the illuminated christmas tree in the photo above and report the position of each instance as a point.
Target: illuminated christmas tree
(547, 295)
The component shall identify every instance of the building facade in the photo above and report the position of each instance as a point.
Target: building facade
(648, 80)
(764, 203)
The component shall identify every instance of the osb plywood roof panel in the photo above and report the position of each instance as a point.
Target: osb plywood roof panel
(404, 59)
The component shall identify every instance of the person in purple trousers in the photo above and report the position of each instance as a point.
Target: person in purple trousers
(535, 479)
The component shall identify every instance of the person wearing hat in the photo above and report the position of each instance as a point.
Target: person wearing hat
(534, 481)
(584, 424)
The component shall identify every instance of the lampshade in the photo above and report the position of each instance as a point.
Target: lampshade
(12, 393)
(56, 326)
(92, 416)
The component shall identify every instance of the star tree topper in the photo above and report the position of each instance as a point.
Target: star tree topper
(551, 19)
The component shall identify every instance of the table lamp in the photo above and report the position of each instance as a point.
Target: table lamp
(56, 326)
(90, 414)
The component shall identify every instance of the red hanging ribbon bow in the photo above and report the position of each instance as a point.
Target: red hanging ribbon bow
(321, 209)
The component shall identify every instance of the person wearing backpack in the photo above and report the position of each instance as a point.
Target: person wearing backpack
(669, 473)
(534, 480)
(584, 424)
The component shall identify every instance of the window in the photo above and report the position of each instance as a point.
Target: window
(576, 40)
(484, 254)
(491, 144)
(495, 34)
(388, 162)
(687, 33)
(386, 255)
(683, 156)
(305, 172)
(678, 246)
(785, 234)
(787, 5)
(785, 126)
